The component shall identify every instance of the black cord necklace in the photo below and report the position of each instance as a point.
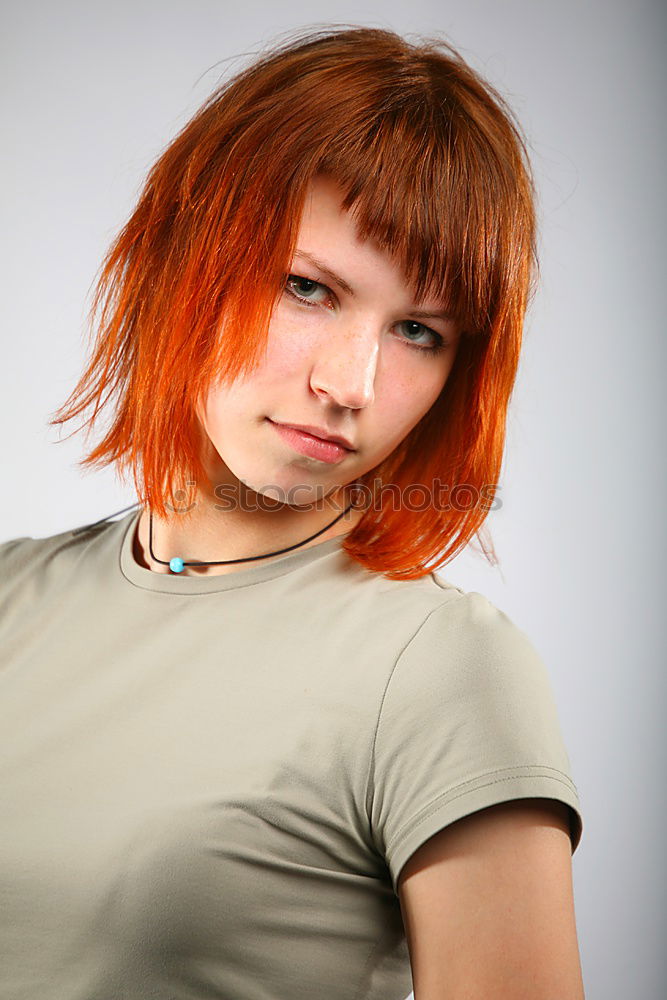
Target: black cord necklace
(176, 564)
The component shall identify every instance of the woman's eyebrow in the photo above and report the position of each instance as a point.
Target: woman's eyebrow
(332, 276)
(326, 270)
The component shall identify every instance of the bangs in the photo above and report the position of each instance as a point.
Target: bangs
(428, 156)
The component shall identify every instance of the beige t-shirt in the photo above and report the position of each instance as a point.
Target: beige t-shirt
(210, 784)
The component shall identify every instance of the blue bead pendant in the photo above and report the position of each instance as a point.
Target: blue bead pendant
(176, 564)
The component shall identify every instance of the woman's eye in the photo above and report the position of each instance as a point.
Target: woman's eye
(437, 342)
(302, 295)
(308, 285)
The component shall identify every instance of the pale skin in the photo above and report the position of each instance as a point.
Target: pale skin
(354, 363)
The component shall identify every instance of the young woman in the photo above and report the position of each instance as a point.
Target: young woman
(252, 746)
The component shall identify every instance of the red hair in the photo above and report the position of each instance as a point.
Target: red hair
(437, 170)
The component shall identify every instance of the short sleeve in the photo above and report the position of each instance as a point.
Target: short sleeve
(468, 720)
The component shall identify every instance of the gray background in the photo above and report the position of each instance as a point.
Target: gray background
(90, 95)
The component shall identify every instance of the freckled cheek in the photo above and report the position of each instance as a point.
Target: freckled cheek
(403, 392)
(394, 411)
(290, 345)
(400, 404)
(223, 407)
(288, 360)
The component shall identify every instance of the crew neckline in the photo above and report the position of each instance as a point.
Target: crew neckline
(170, 583)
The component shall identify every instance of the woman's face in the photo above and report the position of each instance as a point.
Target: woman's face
(350, 361)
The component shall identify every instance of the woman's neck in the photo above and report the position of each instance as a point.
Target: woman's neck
(209, 534)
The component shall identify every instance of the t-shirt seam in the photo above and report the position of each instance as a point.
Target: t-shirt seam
(428, 810)
(370, 776)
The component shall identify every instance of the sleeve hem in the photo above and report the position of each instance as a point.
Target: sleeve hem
(492, 788)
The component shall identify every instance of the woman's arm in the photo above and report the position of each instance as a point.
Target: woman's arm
(488, 907)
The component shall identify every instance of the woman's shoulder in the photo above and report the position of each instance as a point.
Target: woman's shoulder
(432, 610)
(435, 595)
(25, 555)
(25, 550)
(478, 626)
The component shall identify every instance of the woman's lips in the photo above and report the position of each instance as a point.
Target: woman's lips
(308, 444)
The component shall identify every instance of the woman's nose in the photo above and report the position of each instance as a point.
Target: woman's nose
(346, 369)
